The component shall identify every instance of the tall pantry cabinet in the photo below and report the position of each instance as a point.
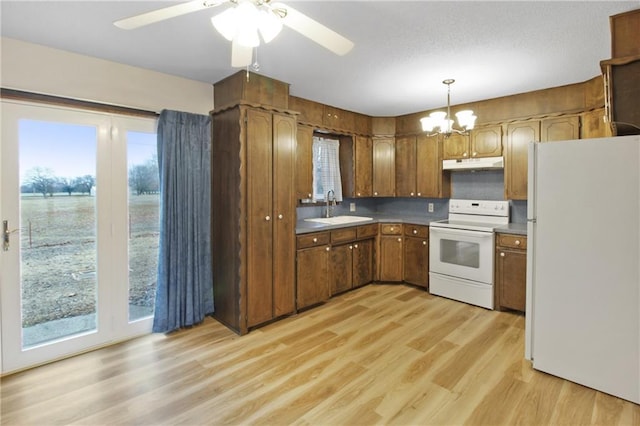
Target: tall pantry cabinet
(253, 215)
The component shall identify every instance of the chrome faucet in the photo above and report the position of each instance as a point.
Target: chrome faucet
(331, 203)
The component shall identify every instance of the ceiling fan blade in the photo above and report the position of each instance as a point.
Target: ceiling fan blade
(314, 30)
(158, 15)
(240, 55)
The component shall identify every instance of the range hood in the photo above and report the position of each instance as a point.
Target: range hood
(487, 163)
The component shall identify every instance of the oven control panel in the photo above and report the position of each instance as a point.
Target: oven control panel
(479, 207)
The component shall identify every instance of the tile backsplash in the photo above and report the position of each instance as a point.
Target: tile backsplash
(476, 185)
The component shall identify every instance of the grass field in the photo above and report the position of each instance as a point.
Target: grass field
(58, 236)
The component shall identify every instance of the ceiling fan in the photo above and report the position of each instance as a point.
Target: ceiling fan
(243, 21)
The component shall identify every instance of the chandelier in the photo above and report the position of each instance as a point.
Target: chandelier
(440, 123)
(247, 19)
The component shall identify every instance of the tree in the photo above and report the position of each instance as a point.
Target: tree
(143, 178)
(66, 185)
(41, 179)
(84, 184)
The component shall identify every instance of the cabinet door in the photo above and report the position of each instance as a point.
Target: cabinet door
(406, 166)
(511, 272)
(391, 258)
(456, 146)
(486, 141)
(362, 263)
(560, 128)
(284, 214)
(519, 134)
(364, 166)
(416, 261)
(384, 171)
(430, 180)
(593, 125)
(312, 276)
(259, 217)
(304, 162)
(340, 271)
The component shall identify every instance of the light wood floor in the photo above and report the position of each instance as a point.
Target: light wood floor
(382, 354)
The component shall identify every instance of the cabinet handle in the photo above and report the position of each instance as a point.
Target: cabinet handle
(391, 229)
(419, 194)
(475, 153)
(355, 246)
(328, 248)
(412, 194)
(280, 216)
(424, 243)
(502, 254)
(315, 240)
(517, 242)
(465, 155)
(358, 194)
(415, 231)
(375, 193)
(399, 240)
(309, 195)
(267, 218)
(350, 247)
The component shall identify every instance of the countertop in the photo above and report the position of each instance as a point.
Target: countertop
(304, 227)
(513, 228)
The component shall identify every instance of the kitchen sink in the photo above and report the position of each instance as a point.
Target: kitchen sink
(339, 220)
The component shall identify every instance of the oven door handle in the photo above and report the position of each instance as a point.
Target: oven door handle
(454, 231)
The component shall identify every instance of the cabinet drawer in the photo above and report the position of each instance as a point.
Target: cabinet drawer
(416, 231)
(391, 229)
(512, 241)
(368, 230)
(342, 235)
(312, 240)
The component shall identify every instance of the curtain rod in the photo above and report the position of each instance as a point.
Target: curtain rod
(58, 100)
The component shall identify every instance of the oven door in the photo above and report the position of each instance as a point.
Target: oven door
(462, 253)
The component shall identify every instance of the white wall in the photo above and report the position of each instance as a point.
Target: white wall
(39, 69)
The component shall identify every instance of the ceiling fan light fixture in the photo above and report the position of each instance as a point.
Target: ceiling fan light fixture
(269, 24)
(226, 23)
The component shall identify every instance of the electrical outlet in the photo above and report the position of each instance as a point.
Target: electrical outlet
(352, 207)
(430, 207)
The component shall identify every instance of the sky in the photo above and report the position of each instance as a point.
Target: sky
(70, 150)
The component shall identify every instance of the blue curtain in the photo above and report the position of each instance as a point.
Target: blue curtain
(184, 294)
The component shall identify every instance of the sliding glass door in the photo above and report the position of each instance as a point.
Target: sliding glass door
(79, 210)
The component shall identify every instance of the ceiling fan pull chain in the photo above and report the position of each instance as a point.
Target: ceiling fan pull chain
(255, 65)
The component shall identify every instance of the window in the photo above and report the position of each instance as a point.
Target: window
(326, 168)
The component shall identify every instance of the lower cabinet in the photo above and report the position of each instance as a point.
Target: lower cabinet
(416, 255)
(510, 272)
(391, 252)
(312, 269)
(333, 262)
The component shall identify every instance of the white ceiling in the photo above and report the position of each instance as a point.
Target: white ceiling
(403, 49)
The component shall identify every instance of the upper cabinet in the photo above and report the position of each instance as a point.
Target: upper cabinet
(384, 170)
(563, 128)
(622, 74)
(622, 94)
(518, 135)
(418, 165)
(304, 162)
(363, 168)
(485, 141)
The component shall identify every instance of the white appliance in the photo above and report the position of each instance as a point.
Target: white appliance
(474, 163)
(583, 265)
(461, 251)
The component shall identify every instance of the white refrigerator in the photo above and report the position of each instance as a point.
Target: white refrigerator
(583, 263)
